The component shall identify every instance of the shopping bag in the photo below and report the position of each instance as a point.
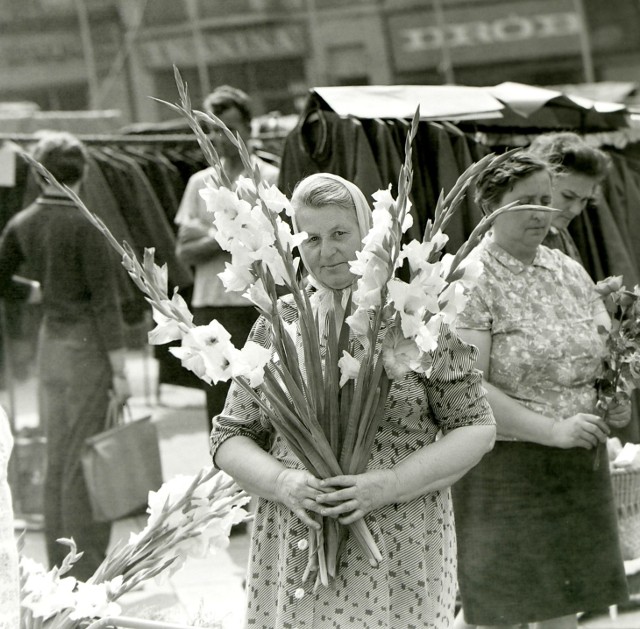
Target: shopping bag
(121, 466)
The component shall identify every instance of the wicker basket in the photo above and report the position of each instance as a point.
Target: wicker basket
(626, 494)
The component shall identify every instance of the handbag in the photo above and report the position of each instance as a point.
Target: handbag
(121, 465)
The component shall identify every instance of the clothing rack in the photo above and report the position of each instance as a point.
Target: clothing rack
(105, 138)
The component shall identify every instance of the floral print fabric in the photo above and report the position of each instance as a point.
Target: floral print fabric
(415, 585)
(546, 350)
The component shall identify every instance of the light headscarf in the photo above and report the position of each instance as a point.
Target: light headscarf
(326, 297)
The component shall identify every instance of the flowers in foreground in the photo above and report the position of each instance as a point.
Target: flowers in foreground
(621, 369)
(189, 516)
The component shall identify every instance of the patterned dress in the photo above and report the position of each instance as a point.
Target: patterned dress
(537, 532)
(415, 584)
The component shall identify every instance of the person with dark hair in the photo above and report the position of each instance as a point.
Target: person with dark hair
(536, 525)
(197, 245)
(578, 169)
(81, 348)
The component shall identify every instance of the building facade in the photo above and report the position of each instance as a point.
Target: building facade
(78, 54)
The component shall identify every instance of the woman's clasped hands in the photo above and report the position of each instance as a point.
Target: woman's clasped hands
(347, 498)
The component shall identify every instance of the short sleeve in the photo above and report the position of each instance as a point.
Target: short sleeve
(241, 415)
(476, 314)
(454, 387)
(192, 206)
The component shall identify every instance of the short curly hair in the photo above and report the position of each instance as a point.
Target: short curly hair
(568, 152)
(226, 97)
(495, 181)
(62, 154)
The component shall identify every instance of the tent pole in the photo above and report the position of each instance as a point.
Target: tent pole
(585, 43)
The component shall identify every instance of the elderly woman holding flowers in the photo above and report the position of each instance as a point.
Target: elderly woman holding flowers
(403, 493)
(536, 526)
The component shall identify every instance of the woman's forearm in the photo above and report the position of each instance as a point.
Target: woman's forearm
(255, 470)
(516, 421)
(443, 462)
(198, 251)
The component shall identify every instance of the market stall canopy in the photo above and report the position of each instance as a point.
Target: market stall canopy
(529, 106)
(400, 101)
(507, 105)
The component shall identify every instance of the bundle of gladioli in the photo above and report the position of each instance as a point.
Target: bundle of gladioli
(327, 407)
(189, 516)
(621, 372)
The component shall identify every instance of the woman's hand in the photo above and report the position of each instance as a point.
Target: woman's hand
(298, 490)
(619, 414)
(351, 497)
(582, 430)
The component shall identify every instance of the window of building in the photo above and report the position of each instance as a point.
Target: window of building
(347, 64)
(272, 84)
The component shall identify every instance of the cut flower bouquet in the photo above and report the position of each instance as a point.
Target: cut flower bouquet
(621, 369)
(324, 402)
(189, 516)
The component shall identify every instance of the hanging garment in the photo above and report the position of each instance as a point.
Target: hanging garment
(142, 212)
(326, 142)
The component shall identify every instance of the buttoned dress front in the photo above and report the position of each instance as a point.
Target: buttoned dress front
(415, 584)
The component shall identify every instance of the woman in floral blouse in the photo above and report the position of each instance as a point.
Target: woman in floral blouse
(537, 531)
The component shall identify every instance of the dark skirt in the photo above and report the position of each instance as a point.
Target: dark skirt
(537, 535)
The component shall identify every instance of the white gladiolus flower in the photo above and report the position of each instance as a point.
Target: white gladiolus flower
(274, 199)
(249, 362)
(168, 328)
(398, 354)
(374, 273)
(359, 322)
(349, 368)
(418, 254)
(259, 296)
(92, 600)
(411, 302)
(407, 222)
(427, 337)
(224, 203)
(245, 189)
(206, 350)
(44, 593)
(452, 301)
(236, 277)
(383, 200)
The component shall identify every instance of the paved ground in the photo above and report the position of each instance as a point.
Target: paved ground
(209, 590)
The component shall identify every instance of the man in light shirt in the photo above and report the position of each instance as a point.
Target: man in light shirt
(198, 247)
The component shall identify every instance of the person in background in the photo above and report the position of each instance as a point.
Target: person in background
(536, 525)
(81, 349)
(578, 169)
(196, 243)
(403, 494)
(9, 576)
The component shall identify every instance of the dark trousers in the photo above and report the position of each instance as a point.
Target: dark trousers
(238, 321)
(75, 377)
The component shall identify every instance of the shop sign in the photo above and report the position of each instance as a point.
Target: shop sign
(256, 43)
(486, 33)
